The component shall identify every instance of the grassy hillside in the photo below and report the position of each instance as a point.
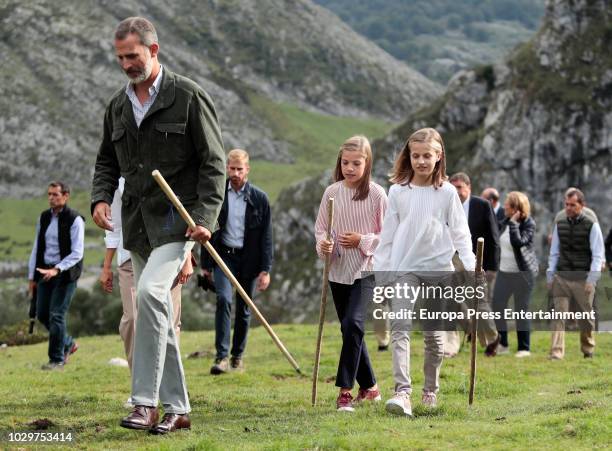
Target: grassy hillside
(314, 141)
(520, 403)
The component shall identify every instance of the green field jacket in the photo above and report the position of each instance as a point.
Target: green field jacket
(181, 138)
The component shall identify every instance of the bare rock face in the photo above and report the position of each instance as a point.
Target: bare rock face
(539, 122)
(59, 71)
(297, 270)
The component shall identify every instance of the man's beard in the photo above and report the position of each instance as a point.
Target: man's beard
(145, 72)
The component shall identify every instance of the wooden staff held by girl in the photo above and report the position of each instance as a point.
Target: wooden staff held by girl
(424, 225)
(359, 208)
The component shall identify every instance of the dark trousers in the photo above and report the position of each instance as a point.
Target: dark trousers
(520, 286)
(224, 308)
(52, 301)
(351, 302)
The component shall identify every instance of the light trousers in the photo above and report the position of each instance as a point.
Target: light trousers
(127, 325)
(400, 342)
(157, 370)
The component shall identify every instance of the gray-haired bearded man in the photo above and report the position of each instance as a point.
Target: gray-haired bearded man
(164, 121)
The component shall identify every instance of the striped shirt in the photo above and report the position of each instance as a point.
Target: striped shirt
(364, 217)
(140, 110)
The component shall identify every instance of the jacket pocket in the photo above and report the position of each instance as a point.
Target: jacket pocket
(172, 149)
(121, 148)
(254, 220)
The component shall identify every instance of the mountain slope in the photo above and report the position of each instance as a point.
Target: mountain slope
(59, 71)
(441, 37)
(538, 122)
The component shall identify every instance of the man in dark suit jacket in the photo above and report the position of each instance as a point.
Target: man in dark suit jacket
(482, 223)
(244, 242)
(492, 195)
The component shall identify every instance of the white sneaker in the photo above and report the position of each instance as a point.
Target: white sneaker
(399, 404)
(501, 350)
(429, 399)
(521, 354)
(129, 405)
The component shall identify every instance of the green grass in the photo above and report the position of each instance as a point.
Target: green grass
(314, 140)
(520, 403)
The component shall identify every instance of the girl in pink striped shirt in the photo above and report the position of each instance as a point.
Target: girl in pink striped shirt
(359, 208)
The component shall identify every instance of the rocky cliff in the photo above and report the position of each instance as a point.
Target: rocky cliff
(539, 122)
(58, 72)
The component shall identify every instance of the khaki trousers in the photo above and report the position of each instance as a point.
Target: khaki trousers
(127, 325)
(563, 291)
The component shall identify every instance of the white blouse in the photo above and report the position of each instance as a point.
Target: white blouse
(423, 228)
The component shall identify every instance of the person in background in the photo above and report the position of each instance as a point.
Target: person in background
(244, 242)
(482, 223)
(518, 267)
(574, 267)
(492, 195)
(55, 265)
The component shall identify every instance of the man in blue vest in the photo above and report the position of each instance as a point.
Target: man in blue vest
(55, 265)
(574, 267)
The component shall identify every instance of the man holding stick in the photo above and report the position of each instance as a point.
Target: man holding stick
(166, 121)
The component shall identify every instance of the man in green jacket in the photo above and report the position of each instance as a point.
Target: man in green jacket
(164, 121)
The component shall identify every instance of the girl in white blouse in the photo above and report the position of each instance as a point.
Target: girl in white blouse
(423, 227)
(359, 208)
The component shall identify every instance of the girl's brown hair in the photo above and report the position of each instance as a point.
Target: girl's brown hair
(520, 202)
(402, 169)
(358, 143)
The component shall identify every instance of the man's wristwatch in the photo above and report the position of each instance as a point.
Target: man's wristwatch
(59, 270)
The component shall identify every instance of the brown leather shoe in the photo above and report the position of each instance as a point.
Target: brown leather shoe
(171, 422)
(142, 417)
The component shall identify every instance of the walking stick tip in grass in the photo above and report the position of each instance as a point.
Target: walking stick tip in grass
(479, 256)
(315, 373)
(213, 253)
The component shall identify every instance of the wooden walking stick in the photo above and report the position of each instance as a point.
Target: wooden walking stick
(479, 254)
(213, 253)
(315, 372)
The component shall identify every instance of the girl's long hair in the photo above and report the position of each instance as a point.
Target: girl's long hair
(358, 143)
(403, 173)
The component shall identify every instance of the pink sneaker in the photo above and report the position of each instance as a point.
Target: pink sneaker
(344, 403)
(368, 395)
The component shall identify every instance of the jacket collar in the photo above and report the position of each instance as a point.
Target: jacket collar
(165, 96)
(246, 188)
